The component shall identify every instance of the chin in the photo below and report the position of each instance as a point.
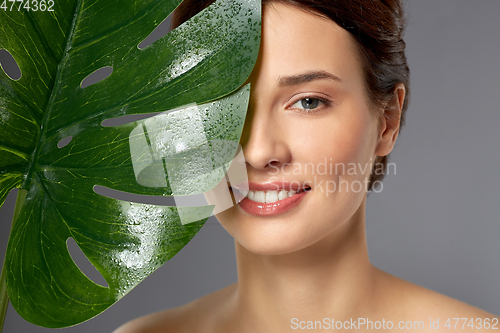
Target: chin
(278, 235)
(265, 246)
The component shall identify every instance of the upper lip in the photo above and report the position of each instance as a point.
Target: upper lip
(273, 186)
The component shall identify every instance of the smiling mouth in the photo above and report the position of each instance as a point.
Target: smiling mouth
(269, 199)
(271, 196)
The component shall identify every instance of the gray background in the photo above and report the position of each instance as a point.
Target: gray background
(436, 222)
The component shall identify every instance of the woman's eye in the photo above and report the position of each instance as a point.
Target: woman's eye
(308, 103)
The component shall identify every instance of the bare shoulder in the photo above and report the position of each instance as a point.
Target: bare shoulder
(409, 301)
(197, 316)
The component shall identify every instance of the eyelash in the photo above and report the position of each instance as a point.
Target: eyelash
(324, 103)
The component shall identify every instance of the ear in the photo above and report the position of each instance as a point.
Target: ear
(390, 122)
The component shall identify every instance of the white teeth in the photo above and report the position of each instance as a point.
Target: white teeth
(269, 196)
(251, 195)
(283, 195)
(260, 196)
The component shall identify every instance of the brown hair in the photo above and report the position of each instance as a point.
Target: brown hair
(377, 26)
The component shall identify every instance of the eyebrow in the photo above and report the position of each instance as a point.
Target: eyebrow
(306, 77)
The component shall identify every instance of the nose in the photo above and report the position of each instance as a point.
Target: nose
(264, 140)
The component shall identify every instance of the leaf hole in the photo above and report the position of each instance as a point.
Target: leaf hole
(111, 122)
(161, 30)
(96, 76)
(9, 65)
(64, 142)
(84, 264)
(131, 197)
(122, 120)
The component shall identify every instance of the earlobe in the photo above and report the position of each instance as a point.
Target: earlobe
(391, 121)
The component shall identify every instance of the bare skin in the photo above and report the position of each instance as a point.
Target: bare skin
(311, 262)
(213, 313)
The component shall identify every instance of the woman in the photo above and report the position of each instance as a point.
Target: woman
(325, 111)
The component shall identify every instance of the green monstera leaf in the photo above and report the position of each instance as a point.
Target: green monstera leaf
(55, 148)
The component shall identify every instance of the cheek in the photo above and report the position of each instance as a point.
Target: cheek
(338, 139)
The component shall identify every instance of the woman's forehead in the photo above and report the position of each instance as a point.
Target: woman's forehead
(295, 41)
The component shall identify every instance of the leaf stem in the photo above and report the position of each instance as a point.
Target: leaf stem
(4, 298)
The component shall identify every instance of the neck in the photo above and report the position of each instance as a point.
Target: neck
(332, 278)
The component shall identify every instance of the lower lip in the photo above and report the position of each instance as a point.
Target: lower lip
(273, 208)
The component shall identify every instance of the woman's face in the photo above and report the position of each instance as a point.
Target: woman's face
(309, 126)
